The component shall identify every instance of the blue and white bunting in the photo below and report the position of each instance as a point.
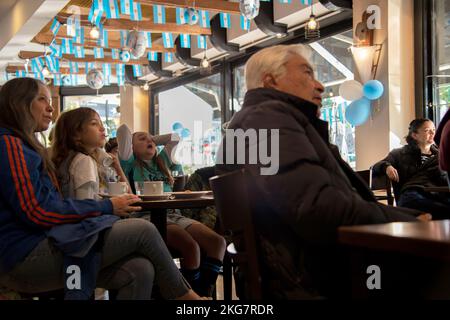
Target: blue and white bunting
(225, 20)
(148, 39)
(181, 18)
(137, 70)
(37, 64)
(111, 9)
(107, 80)
(99, 53)
(103, 38)
(167, 39)
(159, 14)
(73, 67)
(74, 79)
(106, 69)
(67, 46)
(245, 23)
(71, 27)
(123, 38)
(201, 42)
(136, 12)
(55, 50)
(125, 6)
(55, 26)
(88, 66)
(204, 19)
(21, 74)
(168, 57)
(152, 56)
(52, 64)
(79, 38)
(120, 69)
(306, 2)
(115, 54)
(185, 40)
(78, 52)
(285, 1)
(120, 80)
(57, 80)
(96, 13)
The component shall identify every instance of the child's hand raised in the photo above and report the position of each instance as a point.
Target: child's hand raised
(122, 205)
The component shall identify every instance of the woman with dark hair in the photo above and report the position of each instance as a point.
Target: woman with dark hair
(31, 208)
(414, 167)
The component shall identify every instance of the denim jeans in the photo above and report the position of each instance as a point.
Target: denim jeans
(133, 256)
(436, 204)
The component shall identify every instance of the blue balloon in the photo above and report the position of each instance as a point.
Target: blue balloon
(185, 133)
(373, 89)
(358, 112)
(177, 126)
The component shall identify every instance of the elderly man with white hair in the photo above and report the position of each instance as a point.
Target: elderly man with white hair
(298, 207)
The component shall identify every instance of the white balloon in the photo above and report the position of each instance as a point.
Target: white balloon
(124, 56)
(191, 16)
(249, 8)
(136, 43)
(95, 79)
(351, 90)
(66, 81)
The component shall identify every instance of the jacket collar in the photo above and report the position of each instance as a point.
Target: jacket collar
(4, 131)
(309, 109)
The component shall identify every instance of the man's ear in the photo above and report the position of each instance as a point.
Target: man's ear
(269, 81)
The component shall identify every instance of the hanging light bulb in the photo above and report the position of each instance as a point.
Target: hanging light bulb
(312, 29)
(146, 86)
(312, 24)
(95, 33)
(204, 63)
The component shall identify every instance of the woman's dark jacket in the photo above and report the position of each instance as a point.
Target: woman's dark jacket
(412, 173)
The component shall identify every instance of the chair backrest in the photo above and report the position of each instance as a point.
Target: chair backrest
(233, 209)
(378, 183)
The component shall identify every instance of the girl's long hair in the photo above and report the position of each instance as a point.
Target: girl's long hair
(16, 97)
(65, 142)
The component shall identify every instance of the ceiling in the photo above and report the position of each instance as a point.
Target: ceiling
(37, 19)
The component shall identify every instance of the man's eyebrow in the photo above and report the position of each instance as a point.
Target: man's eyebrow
(307, 66)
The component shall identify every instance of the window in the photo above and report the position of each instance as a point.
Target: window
(334, 65)
(440, 26)
(239, 87)
(106, 105)
(194, 112)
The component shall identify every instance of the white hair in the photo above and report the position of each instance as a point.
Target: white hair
(271, 61)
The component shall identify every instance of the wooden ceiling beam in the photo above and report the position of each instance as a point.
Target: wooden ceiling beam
(213, 6)
(87, 58)
(90, 43)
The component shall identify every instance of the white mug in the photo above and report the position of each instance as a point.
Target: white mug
(152, 188)
(117, 188)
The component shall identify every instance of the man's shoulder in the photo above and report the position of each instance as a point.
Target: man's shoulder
(266, 110)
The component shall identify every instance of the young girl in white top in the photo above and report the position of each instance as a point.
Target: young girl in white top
(76, 152)
(142, 162)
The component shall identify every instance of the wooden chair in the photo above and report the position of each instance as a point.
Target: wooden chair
(233, 209)
(378, 183)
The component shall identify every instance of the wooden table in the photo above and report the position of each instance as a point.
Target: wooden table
(413, 256)
(159, 209)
